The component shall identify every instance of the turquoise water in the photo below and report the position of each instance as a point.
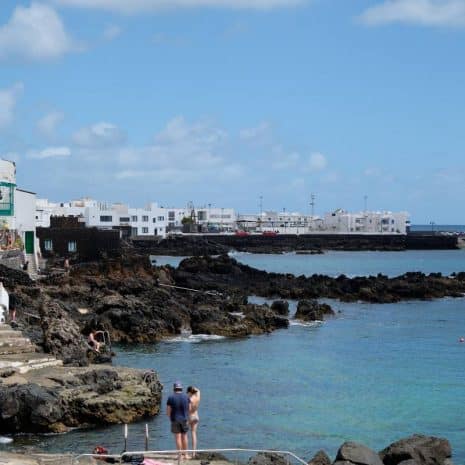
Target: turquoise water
(334, 263)
(374, 373)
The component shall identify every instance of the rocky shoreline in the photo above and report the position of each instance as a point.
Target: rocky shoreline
(216, 244)
(225, 274)
(137, 303)
(54, 400)
(413, 450)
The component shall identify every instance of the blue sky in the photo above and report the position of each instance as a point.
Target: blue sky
(221, 101)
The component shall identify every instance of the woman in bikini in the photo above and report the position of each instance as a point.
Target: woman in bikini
(194, 397)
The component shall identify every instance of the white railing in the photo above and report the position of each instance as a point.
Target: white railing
(176, 455)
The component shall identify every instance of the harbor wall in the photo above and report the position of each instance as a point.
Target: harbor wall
(304, 243)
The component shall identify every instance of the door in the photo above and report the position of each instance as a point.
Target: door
(29, 240)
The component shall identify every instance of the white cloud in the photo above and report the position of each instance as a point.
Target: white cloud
(8, 98)
(422, 12)
(331, 177)
(99, 135)
(48, 124)
(50, 152)
(316, 162)
(182, 152)
(372, 172)
(284, 160)
(34, 33)
(140, 6)
(111, 32)
(260, 134)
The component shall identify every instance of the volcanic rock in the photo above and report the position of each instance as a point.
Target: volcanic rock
(359, 454)
(268, 458)
(423, 450)
(61, 335)
(281, 307)
(320, 458)
(311, 310)
(57, 399)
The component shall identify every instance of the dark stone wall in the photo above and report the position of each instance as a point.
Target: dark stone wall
(217, 244)
(314, 241)
(92, 243)
(431, 241)
(68, 222)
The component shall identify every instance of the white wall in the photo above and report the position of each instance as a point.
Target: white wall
(25, 211)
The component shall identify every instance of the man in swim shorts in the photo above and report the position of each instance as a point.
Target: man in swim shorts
(177, 409)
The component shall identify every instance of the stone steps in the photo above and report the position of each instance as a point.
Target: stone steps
(22, 363)
(13, 341)
(18, 354)
(16, 347)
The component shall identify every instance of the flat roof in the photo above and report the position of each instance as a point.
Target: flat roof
(27, 192)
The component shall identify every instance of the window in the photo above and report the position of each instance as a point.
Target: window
(124, 219)
(72, 246)
(145, 219)
(106, 219)
(145, 230)
(48, 244)
(170, 216)
(161, 218)
(134, 218)
(155, 231)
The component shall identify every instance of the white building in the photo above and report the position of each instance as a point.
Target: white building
(17, 215)
(280, 222)
(148, 221)
(337, 222)
(367, 222)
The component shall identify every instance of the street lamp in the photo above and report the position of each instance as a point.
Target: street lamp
(432, 223)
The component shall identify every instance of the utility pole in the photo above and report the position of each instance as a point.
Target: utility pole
(261, 205)
(312, 204)
(365, 203)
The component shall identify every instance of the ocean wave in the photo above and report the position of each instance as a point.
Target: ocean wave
(5, 440)
(195, 338)
(309, 324)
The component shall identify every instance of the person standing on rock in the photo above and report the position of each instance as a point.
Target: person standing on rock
(194, 397)
(177, 409)
(12, 308)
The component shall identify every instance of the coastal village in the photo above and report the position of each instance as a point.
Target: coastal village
(33, 227)
(232, 232)
(82, 267)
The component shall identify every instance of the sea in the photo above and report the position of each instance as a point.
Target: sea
(374, 373)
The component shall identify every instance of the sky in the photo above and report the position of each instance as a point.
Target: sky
(223, 101)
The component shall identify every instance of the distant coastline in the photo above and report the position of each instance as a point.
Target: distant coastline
(438, 227)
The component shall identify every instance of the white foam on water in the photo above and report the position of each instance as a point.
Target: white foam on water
(195, 338)
(5, 440)
(239, 314)
(309, 324)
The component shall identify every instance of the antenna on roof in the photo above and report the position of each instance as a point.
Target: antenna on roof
(312, 203)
